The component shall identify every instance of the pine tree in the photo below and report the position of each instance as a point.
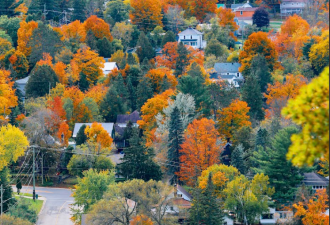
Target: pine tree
(12, 117)
(131, 94)
(18, 185)
(7, 7)
(261, 138)
(130, 59)
(83, 83)
(182, 60)
(91, 40)
(123, 62)
(260, 70)
(237, 158)
(168, 37)
(81, 137)
(272, 162)
(104, 47)
(206, 208)
(135, 73)
(165, 85)
(7, 192)
(112, 105)
(145, 66)
(144, 48)
(121, 87)
(79, 12)
(175, 140)
(137, 162)
(143, 92)
(251, 94)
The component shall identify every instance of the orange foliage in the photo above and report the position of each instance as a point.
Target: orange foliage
(257, 43)
(200, 150)
(75, 94)
(74, 30)
(149, 110)
(98, 26)
(168, 59)
(146, 14)
(141, 220)
(157, 75)
(98, 134)
(22, 9)
(46, 60)
(89, 62)
(8, 99)
(97, 93)
(313, 212)
(62, 75)
(293, 24)
(56, 105)
(24, 34)
(200, 8)
(20, 118)
(64, 130)
(233, 117)
(226, 18)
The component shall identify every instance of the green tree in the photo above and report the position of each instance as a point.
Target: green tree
(7, 7)
(104, 47)
(271, 161)
(261, 138)
(131, 94)
(182, 60)
(144, 48)
(214, 47)
(44, 40)
(7, 193)
(138, 163)
(18, 185)
(103, 163)
(11, 26)
(91, 40)
(83, 82)
(131, 59)
(165, 85)
(112, 105)
(121, 87)
(175, 140)
(206, 208)
(261, 18)
(145, 65)
(22, 209)
(260, 70)
(79, 12)
(90, 189)
(194, 84)
(251, 94)
(143, 92)
(42, 79)
(116, 11)
(168, 37)
(237, 159)
(135, 73)
(81, 137)
(80, 163)
(9, 220)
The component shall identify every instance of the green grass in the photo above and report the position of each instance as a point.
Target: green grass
(71, 181)
(36, 205)
(25, 194)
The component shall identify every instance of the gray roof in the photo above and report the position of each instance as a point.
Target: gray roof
(107, 126)
(227, 67)
(182, 190)
(22, 83)
(314, 179)
(234, 6)
(190, 31)
(133, 117)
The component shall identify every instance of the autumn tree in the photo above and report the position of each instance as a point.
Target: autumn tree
(98, 134)
(116, 12)
(257, 43)
(8, 99)
(24, 34)
(201, 148)
(141, 220)
(18, 62)
(233, 117)
(13, 144)
(200, 8)
(146, 14)
(170, 54)
(313, 141)
(156, 77)
(313, 212)
(319, 52)
(99, 27)
(226, 19)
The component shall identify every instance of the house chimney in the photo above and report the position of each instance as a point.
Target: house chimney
(175, 190)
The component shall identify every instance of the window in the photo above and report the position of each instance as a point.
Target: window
(267, 216)
(172, 209)
(227, 73)
(193, 43)
(237, 74)
(184, 37)
(241, 12)
(191, 37)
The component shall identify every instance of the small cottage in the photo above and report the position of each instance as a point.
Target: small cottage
(193, 38)
(229, 72)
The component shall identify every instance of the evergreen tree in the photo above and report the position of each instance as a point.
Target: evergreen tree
(194, 84)
(137, 162)
(81, 137)
(145, 66)
(237, 159)
(206, 208)
(104, 47)
(112, 105)
(7, 7)
(42, 79)
(182, 60)
(83, 82)
(18, 185)
(168, 37)
(131, 95)
(128, 132)
(130, 59)
(251, 94)
(121, 87)
(175, 140)
(123, 62)
(260, 70)
(79, 12)
(261, 138)
(91, 40)
(143, 92)
(7, 193)
(165, 85)
(144, 48)
(135, 73)
(272, 162)
(261, 18)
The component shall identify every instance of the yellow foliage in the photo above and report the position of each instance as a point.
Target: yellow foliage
(310, 109)
(8, 99)
(24, 34)
(96, 133)
(319, 54)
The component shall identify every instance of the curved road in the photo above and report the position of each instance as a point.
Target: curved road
(56, 210)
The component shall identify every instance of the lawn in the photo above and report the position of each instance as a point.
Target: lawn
(36, 205)
(276, 25)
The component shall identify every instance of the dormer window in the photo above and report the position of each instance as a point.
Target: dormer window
(241, 12)
(237, 74)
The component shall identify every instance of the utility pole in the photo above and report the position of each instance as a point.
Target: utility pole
(34, 169)
(42, 168)
(1, 202)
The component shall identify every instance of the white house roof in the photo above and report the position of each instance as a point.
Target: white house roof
(23, 81)
(106, 126)
(227, 67)
(109, 66)
(190, 31)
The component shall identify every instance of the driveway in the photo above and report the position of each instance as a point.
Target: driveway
(56, 210)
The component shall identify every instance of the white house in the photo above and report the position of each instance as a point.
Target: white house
(229, 72)
(192, 38)
(245, 5)
(275, 217)
(106, 126)
(21, 84)
(108, 67)
(290, 7)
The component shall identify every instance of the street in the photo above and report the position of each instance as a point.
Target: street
(56, 210)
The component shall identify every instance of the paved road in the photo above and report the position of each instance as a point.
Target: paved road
(56, 210)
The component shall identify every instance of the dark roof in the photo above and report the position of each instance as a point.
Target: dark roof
(182, 190)
(119, 130)
(133, 117)
(314, 179)
(227, 67)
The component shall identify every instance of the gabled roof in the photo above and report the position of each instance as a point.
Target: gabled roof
(23, 81)
(106, 126)
(190, 31)
(183, 191)
(133, 117)
(109, 66)
(314, 179)
(244, 9)
(227, 67)
(234, 6)
(182, 203)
